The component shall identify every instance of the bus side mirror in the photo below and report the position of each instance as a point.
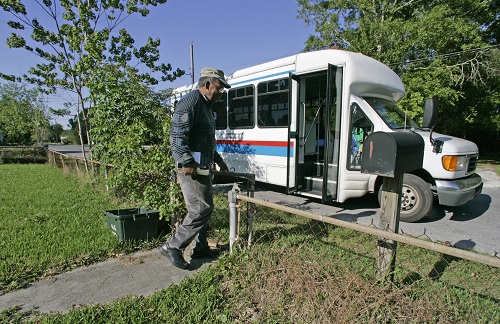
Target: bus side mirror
(430, 119)
(430, 113)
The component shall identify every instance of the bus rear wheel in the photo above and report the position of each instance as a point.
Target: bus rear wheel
(416, 199)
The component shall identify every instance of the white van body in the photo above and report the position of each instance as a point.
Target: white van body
(300, 122)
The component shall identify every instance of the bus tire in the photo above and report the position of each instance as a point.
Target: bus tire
(416, 199)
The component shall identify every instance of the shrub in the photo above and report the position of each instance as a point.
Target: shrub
(23, 155)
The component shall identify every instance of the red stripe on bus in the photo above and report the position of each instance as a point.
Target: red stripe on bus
(259, 143)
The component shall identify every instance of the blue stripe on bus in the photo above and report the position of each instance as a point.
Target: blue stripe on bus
(253, 150)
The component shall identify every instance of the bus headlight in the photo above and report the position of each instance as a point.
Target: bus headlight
(455, 163)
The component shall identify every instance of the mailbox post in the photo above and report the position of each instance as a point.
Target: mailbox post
(390, 155)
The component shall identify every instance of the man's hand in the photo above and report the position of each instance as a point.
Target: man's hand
(191, 169)
(222, 166)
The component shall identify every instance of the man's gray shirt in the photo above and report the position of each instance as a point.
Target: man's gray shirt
(193, 130)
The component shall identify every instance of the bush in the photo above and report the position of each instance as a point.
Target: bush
(23, 155)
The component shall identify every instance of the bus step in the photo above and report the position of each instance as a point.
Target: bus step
(312, 194)
(316, 184)
(319, 167)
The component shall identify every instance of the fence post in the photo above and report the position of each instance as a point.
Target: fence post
(233, 217)
(251, 211)
(62, 161)
(52, 158)
(389, 220)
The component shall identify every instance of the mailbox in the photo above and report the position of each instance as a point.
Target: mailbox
(391, 154)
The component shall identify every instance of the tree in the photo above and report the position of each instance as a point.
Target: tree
(128, 116)
(41, 126)
(55, 132)
(441, 48)
(127, 113)
(23, 115)
(77, 128)
(79, 40)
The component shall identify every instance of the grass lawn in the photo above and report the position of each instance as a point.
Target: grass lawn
(50, 223)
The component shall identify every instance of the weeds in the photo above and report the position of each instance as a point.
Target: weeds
(322, 279)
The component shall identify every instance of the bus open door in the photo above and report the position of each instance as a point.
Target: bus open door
(316, 133)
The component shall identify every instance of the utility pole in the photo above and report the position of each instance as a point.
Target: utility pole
(192, 63)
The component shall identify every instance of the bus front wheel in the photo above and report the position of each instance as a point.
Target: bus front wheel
(416, 199)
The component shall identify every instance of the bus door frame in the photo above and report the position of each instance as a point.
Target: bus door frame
(293, 119)
(296, 113)
(334, 81)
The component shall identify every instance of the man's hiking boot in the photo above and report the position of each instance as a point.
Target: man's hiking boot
(174, 256)
(205, 253)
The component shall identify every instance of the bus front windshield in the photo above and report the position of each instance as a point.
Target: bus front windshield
(392, 115)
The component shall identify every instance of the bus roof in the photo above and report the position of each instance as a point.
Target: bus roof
(364, 75)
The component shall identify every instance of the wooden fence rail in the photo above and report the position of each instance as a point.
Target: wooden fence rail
(493, 261)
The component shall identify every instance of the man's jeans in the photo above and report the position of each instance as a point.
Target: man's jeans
(198, 195)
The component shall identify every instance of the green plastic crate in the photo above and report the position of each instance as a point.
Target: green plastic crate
(134, 223)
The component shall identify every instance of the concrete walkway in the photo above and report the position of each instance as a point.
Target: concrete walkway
(141, 273)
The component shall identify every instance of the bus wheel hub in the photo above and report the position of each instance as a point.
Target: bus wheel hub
(408, 199)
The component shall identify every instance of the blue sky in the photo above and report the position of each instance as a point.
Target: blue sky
(226, 34)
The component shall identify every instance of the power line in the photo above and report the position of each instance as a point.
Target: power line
(447, 55)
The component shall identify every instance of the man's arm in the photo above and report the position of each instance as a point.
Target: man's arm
(220, 162)
(182, 121)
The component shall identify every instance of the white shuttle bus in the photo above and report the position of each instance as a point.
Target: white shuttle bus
(300, 122)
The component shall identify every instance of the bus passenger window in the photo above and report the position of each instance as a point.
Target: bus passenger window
(360, 127)
(283, 120)
(220, 112)
(241, 107)
(266, 118)
(272, 104)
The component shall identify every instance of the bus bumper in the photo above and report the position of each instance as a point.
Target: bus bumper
(458, 192)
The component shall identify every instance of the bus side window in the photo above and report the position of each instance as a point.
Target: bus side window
(283, 120)
(220, 112)
(272, 103)
(360, 128)
(241, 107)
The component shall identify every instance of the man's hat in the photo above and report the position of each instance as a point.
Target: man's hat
(215, 73)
